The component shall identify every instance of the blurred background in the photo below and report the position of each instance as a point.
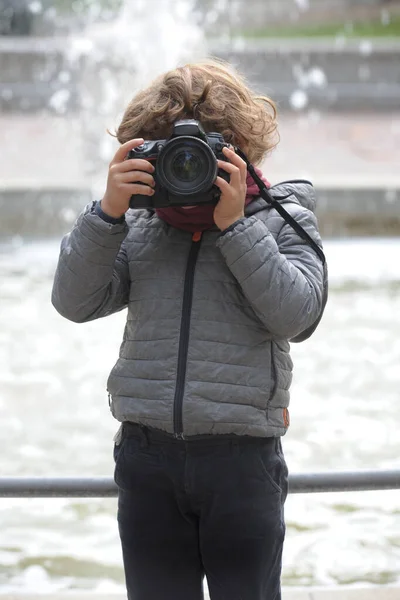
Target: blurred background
(67, 70)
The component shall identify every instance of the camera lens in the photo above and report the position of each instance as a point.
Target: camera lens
(187, 165)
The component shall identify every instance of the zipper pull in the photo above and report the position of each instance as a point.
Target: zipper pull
(196, 237)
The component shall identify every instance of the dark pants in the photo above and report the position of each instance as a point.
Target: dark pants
(211, 506)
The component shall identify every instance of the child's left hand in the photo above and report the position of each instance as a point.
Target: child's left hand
(231, 204)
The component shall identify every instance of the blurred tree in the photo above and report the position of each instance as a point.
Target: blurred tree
(244, 15)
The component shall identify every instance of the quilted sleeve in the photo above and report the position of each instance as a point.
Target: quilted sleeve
(92, 276)
(282, 279)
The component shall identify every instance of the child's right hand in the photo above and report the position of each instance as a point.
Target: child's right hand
(123, 180)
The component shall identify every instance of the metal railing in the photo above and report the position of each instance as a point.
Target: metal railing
(95, 487)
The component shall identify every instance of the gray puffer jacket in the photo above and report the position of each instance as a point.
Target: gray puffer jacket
(206, 343)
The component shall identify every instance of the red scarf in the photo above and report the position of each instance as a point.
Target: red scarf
(201, 218)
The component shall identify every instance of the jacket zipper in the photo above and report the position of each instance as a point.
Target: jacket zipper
(273, 374)
(184, 334)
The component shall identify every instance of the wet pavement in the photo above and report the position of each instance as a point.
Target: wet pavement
(339, 593)
(340, 150)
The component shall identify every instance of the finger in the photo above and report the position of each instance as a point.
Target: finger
(236, 177)
(134, 164)
(134, 176)
(124, 149)
(234, 158)
(237, 161)
(137, 188)
(223, 185)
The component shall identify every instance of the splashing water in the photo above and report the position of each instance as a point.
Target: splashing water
(303, 5)
(298, 100)
(56, 420)
(313, 77)
(124, 55)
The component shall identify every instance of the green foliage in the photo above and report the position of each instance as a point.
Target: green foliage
(370, 29)
(345, 508)
(82, 6)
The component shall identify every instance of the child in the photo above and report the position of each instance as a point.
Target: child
(214, 294)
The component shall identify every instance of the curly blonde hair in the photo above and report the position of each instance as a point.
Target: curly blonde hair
(211, 92)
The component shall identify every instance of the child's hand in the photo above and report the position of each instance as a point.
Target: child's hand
(123, 178)
(230, 207)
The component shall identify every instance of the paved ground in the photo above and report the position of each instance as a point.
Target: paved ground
(350, 150)
(339, 593)
(339, 150)
(353, 159)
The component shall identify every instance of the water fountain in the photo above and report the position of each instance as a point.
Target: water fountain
(64, 92)
(121, 57)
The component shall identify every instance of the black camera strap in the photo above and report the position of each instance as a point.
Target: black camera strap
(264, 193)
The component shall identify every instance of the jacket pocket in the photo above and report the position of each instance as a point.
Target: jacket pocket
(274, 466)
(136, 462)
(118, 452)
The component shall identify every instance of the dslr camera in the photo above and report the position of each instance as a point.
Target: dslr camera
(185, 167)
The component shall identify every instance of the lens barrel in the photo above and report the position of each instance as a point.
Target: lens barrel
(186, 165)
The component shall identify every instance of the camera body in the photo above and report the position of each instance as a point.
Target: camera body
(185, 167)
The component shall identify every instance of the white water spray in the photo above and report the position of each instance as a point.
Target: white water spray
(121, 57)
